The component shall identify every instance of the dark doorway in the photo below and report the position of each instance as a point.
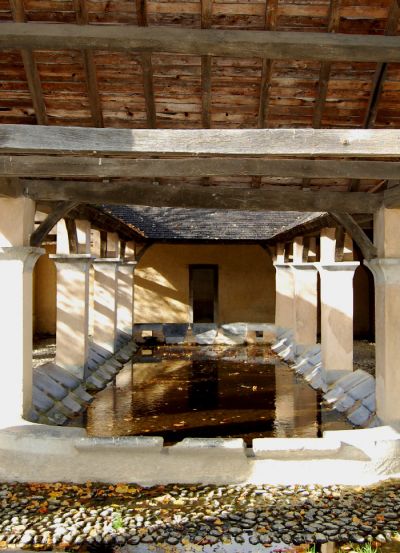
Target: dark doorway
(203, 290)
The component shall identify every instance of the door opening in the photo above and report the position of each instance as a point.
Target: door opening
(203, 290)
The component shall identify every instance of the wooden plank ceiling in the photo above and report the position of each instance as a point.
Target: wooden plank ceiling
(94, 88)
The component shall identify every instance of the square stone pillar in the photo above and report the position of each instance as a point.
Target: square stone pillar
(16, 266)
(386, 273)
(126, 271)
(305, 277)
(337, 316)
(105, 303)
(284, 303)
(72, 312)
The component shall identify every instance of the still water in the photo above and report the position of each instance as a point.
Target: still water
(241, 391)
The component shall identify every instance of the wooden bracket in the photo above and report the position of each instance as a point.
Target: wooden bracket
(367, 248)
(59, 211)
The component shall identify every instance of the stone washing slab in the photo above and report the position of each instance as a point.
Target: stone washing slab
(49, 386)
(204, 333)
(41, 401)
(60, 375)
(359, 415)
(175, 333)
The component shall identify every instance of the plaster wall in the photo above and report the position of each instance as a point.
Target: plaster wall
(45, 292)
(246, 290)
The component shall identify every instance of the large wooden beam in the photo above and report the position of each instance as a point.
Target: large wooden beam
(74, 166)
(203, 42)
(11, 187)
(241, 142)
(178, 195)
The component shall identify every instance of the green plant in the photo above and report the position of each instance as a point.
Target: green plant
(117, 521)
(365, 548)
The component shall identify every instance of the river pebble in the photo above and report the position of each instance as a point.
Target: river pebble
(106, 515)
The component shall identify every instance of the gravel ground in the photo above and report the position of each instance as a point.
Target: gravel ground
(67, 516)
(44, 350)
(364, 356)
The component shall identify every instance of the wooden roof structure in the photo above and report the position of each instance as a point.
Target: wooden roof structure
(248, 104)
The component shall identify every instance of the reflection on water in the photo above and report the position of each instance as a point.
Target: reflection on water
(205, 392)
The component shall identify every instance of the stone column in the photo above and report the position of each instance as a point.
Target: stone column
(305, 303)
(337, 316)
(16, 266)
(386, 271)
(72, 312)
(105, 303)
(73, 298)
(284, 309)
(126, 271)
(17, 260)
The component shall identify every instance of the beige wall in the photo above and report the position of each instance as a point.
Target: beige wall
(246, 282)
(45, 293)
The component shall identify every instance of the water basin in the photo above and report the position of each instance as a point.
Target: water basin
(210, 391)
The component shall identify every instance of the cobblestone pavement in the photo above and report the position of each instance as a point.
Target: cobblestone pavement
(106, 517)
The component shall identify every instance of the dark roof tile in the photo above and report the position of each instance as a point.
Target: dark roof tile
(169, 223)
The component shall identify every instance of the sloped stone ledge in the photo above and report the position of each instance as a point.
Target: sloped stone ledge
(59, 396)
(351, 393)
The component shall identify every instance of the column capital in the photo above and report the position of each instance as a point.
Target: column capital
(71, 258)
(107, 260)
(385, 269)
(128, 264)
(306, 266)
(282, 265)
(26, 255)
(349, 266)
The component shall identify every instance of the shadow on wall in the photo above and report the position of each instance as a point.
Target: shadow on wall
(246, 282)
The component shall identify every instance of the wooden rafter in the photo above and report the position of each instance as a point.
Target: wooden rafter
(80, 166)
(206, 62)
(325, 70)
(189, 196)
(89, 67)
(201, 42)
(31, 72)
(342, 143)
(324, 73)
(378, 80)
(147, 69)
(381, 69)
(271, 8)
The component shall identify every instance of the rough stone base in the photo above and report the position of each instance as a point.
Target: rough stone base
(51, 454)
